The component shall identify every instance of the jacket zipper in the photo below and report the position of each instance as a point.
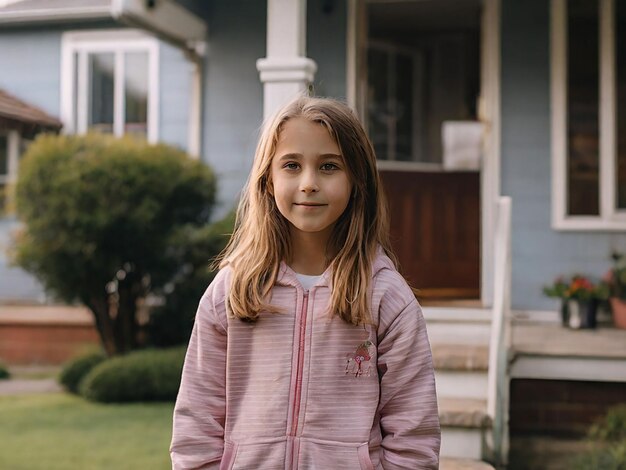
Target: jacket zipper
(299, 365)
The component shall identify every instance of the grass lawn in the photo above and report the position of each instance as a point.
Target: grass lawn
(61, 431)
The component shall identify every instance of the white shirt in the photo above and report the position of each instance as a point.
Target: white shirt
(307, 281)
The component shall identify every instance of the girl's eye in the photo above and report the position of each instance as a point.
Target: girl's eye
(329, 167)
(291, 166)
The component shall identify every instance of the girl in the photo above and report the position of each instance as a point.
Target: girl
(309, 349)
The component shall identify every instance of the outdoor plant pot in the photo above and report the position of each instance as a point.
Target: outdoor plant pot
(618, 307)
(582, 313)
(564, 313)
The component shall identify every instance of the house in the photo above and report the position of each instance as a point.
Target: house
(466, 101)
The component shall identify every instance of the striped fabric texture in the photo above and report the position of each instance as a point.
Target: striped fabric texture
(304, 389)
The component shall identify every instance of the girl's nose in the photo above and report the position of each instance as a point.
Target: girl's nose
(309, 183)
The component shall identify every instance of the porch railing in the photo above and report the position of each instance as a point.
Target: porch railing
(498, 380)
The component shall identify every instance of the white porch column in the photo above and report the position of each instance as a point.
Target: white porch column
(285, 71)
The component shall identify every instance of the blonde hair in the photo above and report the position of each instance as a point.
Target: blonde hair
(260, 240)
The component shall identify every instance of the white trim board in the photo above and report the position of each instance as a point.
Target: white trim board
(568, 368)
(489, 114)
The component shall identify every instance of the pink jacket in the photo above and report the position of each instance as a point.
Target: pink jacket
(303, 390)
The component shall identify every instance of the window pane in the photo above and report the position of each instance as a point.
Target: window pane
(377, 101)
(136, 92)
(4, 157)
(620, 34)
(4, 169)
(101, 79)
(404, 107)
(582, 106)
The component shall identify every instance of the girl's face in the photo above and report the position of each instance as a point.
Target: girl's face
(310, 180)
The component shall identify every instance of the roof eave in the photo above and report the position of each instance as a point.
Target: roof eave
(55, 15)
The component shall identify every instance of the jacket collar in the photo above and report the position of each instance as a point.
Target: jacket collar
(287, 276)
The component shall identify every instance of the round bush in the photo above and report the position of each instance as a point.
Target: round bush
(152, 374)
(97, 209)
(74, 371)
(4, 373)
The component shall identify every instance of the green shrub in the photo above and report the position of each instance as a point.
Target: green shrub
(148, 375)
(74, 371)
(99, 216)
(171, 323)
(608, 437)
(612, 427)
(4, 373)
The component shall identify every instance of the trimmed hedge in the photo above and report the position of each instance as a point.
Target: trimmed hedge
(74, 371)
(148, 375)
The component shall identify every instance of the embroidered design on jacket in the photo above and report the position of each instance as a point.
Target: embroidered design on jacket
(358, 363)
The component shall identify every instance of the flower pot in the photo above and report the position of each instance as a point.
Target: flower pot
(618, 307)
(582, 313)
(564, 313)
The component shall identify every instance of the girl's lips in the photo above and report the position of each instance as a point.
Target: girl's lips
(309, 205)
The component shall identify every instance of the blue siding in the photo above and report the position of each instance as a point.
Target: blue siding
(15, 283)
(539, 252)
(326, 45)
(233, 102)
(30, 67)
(175, 74)
(30, 64)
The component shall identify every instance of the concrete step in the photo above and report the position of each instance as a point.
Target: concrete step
(458, 325)
(461, 370)
(461, 357)
(463, 464)
(464, 422)
(463, 413)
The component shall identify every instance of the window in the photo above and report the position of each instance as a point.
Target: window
(4, 159)
(416, 86)
(9, 159)
(589, 114)
(109, 83)
(390, 102)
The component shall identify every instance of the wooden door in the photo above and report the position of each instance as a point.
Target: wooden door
(435, 230)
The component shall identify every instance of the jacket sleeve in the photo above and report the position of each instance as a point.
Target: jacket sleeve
(408, 411)
(199, 413)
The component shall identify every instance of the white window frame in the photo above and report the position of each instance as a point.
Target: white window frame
(118, 42)
(610, 218)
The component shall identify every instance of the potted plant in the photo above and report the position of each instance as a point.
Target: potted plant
(579, 299)
(615, 279)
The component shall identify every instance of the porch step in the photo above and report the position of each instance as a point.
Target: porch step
(463, 464)
(461, 370)
(463, 413)
(458, 325)
(461, 357)
(463, 425)
(460, 345)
